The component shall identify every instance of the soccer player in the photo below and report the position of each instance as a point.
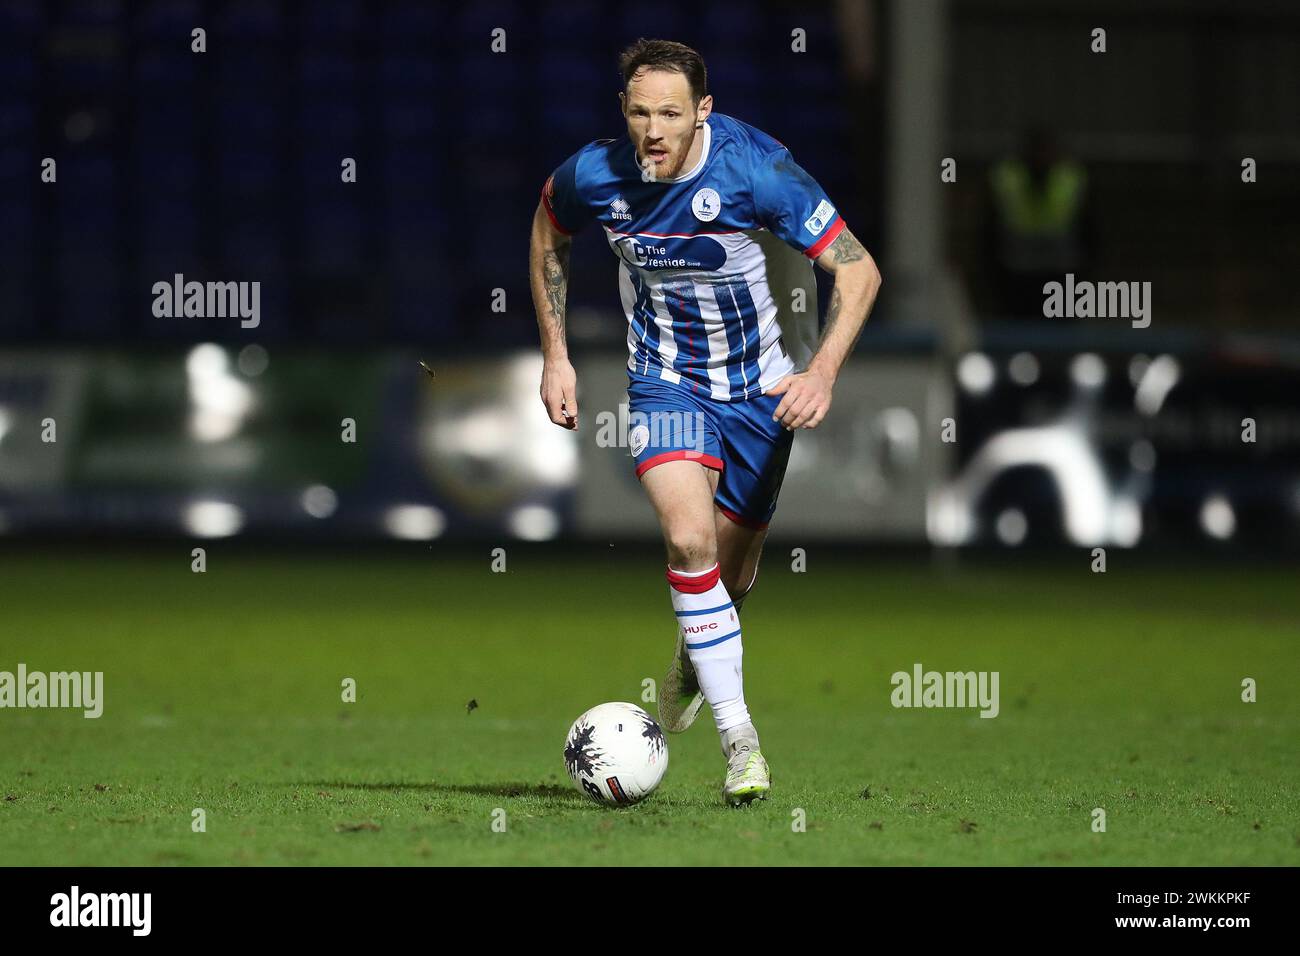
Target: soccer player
(716, 229)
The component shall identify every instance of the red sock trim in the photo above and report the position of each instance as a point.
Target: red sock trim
(693, 583)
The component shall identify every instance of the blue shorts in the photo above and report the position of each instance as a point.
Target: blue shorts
(667, 422)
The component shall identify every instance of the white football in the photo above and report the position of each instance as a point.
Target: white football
(616, 753)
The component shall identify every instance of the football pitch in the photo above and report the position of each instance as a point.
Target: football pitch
(223, 693)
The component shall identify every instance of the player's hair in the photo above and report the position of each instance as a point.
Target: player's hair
(666, 55)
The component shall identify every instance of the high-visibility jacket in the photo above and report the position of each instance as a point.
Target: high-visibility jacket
(1040, 227)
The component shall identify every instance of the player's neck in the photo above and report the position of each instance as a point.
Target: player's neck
(694, 153)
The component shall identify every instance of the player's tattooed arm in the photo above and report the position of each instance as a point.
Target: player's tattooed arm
(806, 396)
(846, 248)
(833, 309)
(857, 281)
(555, 280)
(548, 267)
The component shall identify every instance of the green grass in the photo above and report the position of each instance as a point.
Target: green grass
(1119, 691)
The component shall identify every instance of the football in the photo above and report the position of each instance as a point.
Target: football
(616, 754)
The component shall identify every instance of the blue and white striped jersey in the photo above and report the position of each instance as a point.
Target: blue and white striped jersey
(712, 261)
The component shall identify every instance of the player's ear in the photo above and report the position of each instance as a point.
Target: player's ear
(703, 109)
(622, 103)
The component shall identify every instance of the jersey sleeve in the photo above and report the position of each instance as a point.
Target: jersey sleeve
(561, 199)
(792, 206)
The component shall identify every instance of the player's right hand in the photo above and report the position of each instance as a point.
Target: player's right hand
(560, 393)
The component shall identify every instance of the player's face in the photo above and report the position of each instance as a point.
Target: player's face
(661, 119)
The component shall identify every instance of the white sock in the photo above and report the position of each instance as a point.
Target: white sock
(711, 629)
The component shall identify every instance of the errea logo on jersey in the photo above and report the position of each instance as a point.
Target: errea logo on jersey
(619, 209)
(820, 217)
(706, 205)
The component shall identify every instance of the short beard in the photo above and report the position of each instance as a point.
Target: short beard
(648, 172)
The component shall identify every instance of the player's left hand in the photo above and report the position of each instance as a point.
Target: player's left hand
(806, 398)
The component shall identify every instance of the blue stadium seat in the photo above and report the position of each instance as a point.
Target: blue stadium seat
(166, 74)
(86, 176)
(177, 177)
(493, 126)
(86, 75)
(164, 20)
(246, 241)
(23, 20)
(17, 122)
(243, 114)
(19, 165)
(92, 13)
(20, 222)
(89, 283)
(408, 120)
(576, 75)
(737, 23)
(248, 170)
(339, 18)
(411, 76)
(411, 24)
(169, 236)
(250, 71)
(332, 238)
(18, 300)
(813, 76)
(17, 71)
(248, 20)
(483, 73)
(474, 26)
(568, 27)
(407, 173)
(324, 72)
(170, 124)
(336, 121)
(650, 21)
(740, 75)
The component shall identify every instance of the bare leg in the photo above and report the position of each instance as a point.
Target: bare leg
(739, 549)
(682, 495)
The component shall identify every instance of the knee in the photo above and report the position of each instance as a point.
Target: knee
(692, 549)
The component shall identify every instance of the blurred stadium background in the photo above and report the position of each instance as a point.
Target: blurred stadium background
(225, 166)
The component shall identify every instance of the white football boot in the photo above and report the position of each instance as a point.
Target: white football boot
(748, 777)
(680, 698)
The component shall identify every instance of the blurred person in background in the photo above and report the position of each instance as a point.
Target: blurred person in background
(1039, 224)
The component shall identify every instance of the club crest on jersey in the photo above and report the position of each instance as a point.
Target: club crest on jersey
(706, 205)
(637, 439)
(619, 209)
(820, 217)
